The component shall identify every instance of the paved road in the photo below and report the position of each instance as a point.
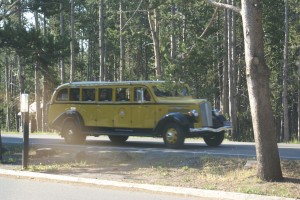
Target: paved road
(192, 146)
(20, 189)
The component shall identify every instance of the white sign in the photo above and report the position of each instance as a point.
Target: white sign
(24, 103)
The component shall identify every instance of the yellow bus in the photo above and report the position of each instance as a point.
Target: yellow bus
(134, 108)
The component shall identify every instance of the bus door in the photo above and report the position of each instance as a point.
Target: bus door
(105, 108)
(122, 111)
(143, 109)
(87, 106)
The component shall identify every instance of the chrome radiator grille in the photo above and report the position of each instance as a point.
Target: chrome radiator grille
(206, 114)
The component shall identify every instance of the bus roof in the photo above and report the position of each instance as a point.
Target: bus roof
(101, 83)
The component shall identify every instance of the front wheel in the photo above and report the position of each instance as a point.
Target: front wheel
(215, 139)
(71, 134)
(173, 136)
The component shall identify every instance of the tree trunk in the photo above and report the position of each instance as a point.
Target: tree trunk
(21, 78)
(7, 90)
(230, 74)
(122, 50)
(173, 38)
(62, 34)
(90, 59)
(219, 64)
(20, 75)
(286, 133)
(153, 22)
(101, 42)
(225, 100)
(257, 74)
(72, 43)
(44, 106)
(232, 71)
(38, 116)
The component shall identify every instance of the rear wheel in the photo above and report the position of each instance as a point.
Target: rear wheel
(71, 134)
(118, 139)
(215, 139)
(173, 136)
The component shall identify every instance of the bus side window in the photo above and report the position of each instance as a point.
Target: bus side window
(62, 95)
(138, 94)
(147, 96)
(141, 94)
(123, 94)
(105, 94)
(74, 94)
(88, 94)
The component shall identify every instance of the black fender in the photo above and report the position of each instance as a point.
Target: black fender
(175, 117)
(59, 122)
(218, 120)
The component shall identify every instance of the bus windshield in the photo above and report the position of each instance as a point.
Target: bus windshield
(168, 89)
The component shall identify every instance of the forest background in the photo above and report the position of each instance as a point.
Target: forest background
(44, 43)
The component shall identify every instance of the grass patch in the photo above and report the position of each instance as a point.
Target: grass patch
(56, 167)
(294, 141)
(34, 133)
(12, 154)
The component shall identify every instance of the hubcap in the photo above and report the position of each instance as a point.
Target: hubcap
(171, 135)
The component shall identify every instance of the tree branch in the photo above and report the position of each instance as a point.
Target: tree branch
(6, 14)
(186, 55)
(226, 6)
(210, 22)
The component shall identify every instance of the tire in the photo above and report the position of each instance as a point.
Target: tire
(71, 134)
(173, 136)
(215, 139)
(118, 139)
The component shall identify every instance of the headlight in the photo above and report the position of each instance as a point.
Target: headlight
(194, 113)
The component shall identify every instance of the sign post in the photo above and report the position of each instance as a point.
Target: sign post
(25, 129)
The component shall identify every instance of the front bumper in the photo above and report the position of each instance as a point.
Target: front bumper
(226, 127)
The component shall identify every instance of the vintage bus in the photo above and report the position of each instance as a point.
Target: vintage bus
(134, 108)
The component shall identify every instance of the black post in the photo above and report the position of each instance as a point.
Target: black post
(25, 118)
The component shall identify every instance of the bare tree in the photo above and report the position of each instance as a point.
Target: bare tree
(101, 42)
(173, 37)
(232, 70)
(72, 43)
(257, 75)
(38, 116)
(286, 134)
(154, 27)
(62, 34)
(122, 49)
(7, 90)
(225, 83)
